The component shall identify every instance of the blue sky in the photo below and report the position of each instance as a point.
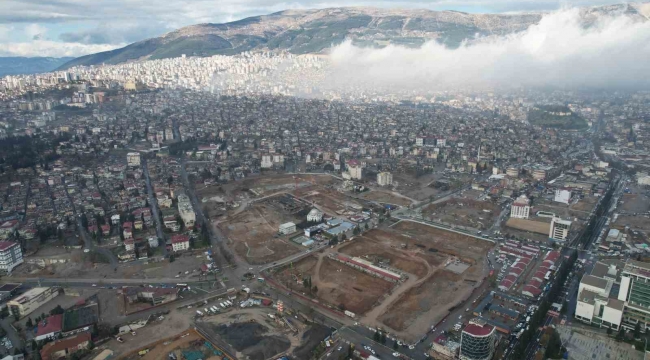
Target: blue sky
(79, 27)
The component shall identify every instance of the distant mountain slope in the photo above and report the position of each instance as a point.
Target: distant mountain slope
(29, 65)
(312, 31)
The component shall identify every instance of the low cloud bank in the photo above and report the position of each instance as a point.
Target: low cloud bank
(610, 52)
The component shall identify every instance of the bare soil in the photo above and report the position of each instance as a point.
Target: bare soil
(464, 212)
(430, 300)
(386, 197)
(252, 234)
(375, 251)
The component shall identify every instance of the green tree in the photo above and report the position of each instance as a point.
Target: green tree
(377, 337)
(29, 323)
(383, 338)
(554, 346)
(637, 330)
(395, 346)
(609, 331)
(172, 258)
(356, 230)
(57, 310)
(34, 345)
(621, 334)
(366, 226)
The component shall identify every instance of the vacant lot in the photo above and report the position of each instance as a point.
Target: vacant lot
(338, 284)
(426, 303)
(356, 291)
(464, 212)
(377, 252)
(639, 222)
(252, 231)
(270, 184)
(386, 197)
(539, 227)
(331, 201)
(469, 249)
(587, 204)
(634, 203)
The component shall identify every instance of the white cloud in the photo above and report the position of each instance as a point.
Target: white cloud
(35, 31)
(559, 51)
(51, 48)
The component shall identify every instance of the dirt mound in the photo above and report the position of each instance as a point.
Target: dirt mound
(248, 338)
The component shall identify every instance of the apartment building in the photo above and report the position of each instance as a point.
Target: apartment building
(384, 179)
(559, 229)
(11, 255)
(520, 208)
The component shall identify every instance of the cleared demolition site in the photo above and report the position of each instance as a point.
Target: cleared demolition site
(402, 279)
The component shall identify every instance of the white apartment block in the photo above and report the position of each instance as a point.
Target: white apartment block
(384, 179)
(186, 211)
(520, 208)
(11, 256)
(559, 229)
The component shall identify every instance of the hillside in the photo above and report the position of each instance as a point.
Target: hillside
(29, 65)
(312, 31)
(555, 116)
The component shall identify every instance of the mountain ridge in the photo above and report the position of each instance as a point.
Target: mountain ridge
(315, 30)
(19, 65)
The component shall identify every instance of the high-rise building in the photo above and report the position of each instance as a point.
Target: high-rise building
(559, 229)
(520, 208)
(384, 179)
(10, 256)
(477, 341)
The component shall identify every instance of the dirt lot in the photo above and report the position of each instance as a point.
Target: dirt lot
(331, 201)
(467, 248)
(251, 233)
(587, 204)
(337, 284)
(422, 187)
(270, 184)
(386, 197)
(464, 212)
(372, 249)
(429, 301)
(173, 326)
(639, 222)
(634, 203)
(529, 225)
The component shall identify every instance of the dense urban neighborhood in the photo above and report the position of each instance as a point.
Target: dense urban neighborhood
(245, 207)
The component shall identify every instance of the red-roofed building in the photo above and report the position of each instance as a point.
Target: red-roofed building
(7, 228)
(49, 328)
(180, 243)
(63, 348)
(531, 291)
